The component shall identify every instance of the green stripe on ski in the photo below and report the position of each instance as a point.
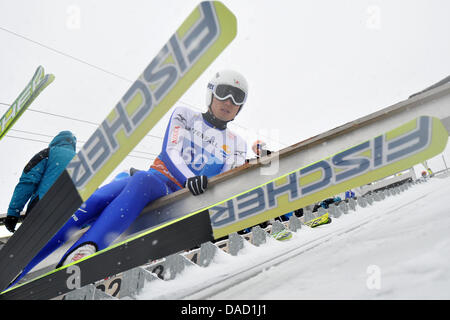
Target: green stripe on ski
(199, 40)
(36, 85)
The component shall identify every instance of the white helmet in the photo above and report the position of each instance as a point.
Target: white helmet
(228, 78)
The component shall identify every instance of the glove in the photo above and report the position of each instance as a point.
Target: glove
(197, 184)
(133, 171)
(258, 146)
(10, 223)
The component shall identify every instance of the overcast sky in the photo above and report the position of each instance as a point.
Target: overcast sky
(311, 65)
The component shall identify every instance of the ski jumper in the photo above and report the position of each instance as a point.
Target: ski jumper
(191, 147)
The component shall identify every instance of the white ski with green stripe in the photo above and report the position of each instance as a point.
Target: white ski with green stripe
(384, 155)
(37, 84)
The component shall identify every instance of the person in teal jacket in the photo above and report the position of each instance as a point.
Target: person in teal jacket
(39, 175)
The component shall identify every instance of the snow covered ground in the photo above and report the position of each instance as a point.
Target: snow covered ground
(398, 248)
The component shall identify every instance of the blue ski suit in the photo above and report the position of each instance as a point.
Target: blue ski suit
(41, 172)
(191, 147)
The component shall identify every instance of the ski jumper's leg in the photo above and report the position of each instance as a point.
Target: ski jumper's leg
(88, 212)
(141, 188)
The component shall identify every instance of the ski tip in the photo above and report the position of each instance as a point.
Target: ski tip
(226, 18)
(50, 78)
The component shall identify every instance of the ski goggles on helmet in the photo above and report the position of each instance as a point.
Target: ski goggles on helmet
(223, 92)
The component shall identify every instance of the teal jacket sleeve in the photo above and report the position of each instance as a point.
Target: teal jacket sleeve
(28, 183)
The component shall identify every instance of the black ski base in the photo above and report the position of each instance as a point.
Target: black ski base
(175, 237)
(44, 220)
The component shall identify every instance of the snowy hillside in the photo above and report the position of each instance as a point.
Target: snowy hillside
(398, 248)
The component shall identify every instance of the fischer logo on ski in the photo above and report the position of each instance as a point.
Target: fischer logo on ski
(368, 161)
